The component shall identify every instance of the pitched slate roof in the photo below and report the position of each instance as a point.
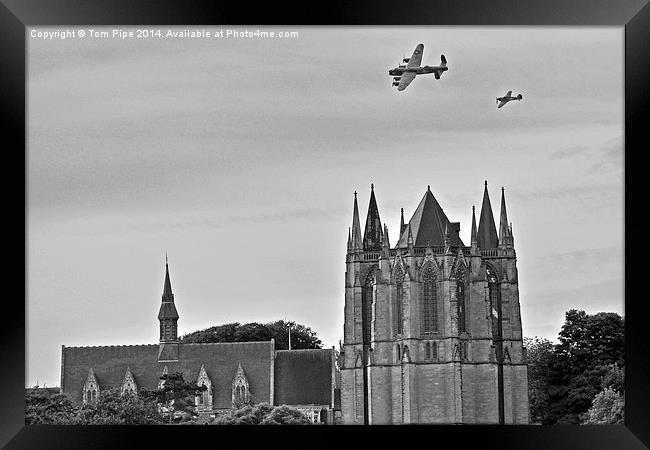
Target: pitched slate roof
(109, 364)
(303, 377)
(428, 225)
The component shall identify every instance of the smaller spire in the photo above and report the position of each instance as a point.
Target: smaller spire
(503, 224)
(447, 240)
(384, 238)
(409, 239)
(401, 223)
(349, 239)
(474, 238)
(357, 239)
(167, 294)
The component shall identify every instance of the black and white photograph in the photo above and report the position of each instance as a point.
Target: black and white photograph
(325, 225)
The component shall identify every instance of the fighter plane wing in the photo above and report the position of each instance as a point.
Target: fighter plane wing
(407, 77)
(508, 94)
(416, 59)
(503, 102)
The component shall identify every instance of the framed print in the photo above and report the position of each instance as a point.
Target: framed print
(358, 216)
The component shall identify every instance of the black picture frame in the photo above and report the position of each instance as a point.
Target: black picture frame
(18, 15)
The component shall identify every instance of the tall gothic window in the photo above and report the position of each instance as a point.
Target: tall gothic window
(434, 350)
(398, 303)
(427, 351)
(366, 306)
(397, 353)
(493, 287)
(429, 301)
(240, 389)
(460, 300)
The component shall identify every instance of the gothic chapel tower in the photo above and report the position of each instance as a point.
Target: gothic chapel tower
(432, 328)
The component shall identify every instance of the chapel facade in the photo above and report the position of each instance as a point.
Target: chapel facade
(432, 330)
(234, 373)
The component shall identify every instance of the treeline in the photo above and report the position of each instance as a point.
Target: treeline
(172, 403)
(580, 380)
(302, 337)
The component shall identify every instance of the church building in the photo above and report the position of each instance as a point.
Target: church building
(233, 372)
(432, 329)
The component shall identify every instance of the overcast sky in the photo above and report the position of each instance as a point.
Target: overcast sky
(239, 158)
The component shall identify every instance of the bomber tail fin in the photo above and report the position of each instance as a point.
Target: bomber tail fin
(443, 61)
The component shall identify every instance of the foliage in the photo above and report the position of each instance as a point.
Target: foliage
(262, 414)
(607, 408)
(114, 409)
(564, 382)
(539, 354)
(302, 337)
(176, 396)
(43, 406)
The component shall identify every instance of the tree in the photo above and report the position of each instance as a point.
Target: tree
(588, 346)
(539, 357)
(45, 406)
(112, 408)
(175, 395)
(608, 407)
(302, 337)
(263, 414)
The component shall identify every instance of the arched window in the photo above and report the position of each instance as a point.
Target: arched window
(240, 389)
(397, 353)
(204, 398)
(398, 303)
(366, 305)
(91, 388)
(429, 301)
(434, 350)
(427, 351)
(493, 288)
(460, 300)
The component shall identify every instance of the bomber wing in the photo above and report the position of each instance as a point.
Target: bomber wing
(407, 77)
(508, 94)
(416, 59)
(503, 102)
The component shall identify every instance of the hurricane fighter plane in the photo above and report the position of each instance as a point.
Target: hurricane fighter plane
(404, 74)
(506, 98)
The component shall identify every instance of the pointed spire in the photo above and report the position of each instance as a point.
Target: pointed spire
(373, 232)
(384, 238)
(167, 314)
(401, 223)
(357, 243)
(474, 234)
(487, 231)
(447, 240)
(503, 223)
(349, 240)
(167, 295)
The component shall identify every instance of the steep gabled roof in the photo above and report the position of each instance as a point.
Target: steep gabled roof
(428, 225)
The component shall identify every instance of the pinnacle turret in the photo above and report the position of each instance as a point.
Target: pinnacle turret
(487, 232)
(357, 240)
(373, 231)
(504, 238)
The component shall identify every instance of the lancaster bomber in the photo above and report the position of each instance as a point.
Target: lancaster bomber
(506, 98)
(404, 74)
